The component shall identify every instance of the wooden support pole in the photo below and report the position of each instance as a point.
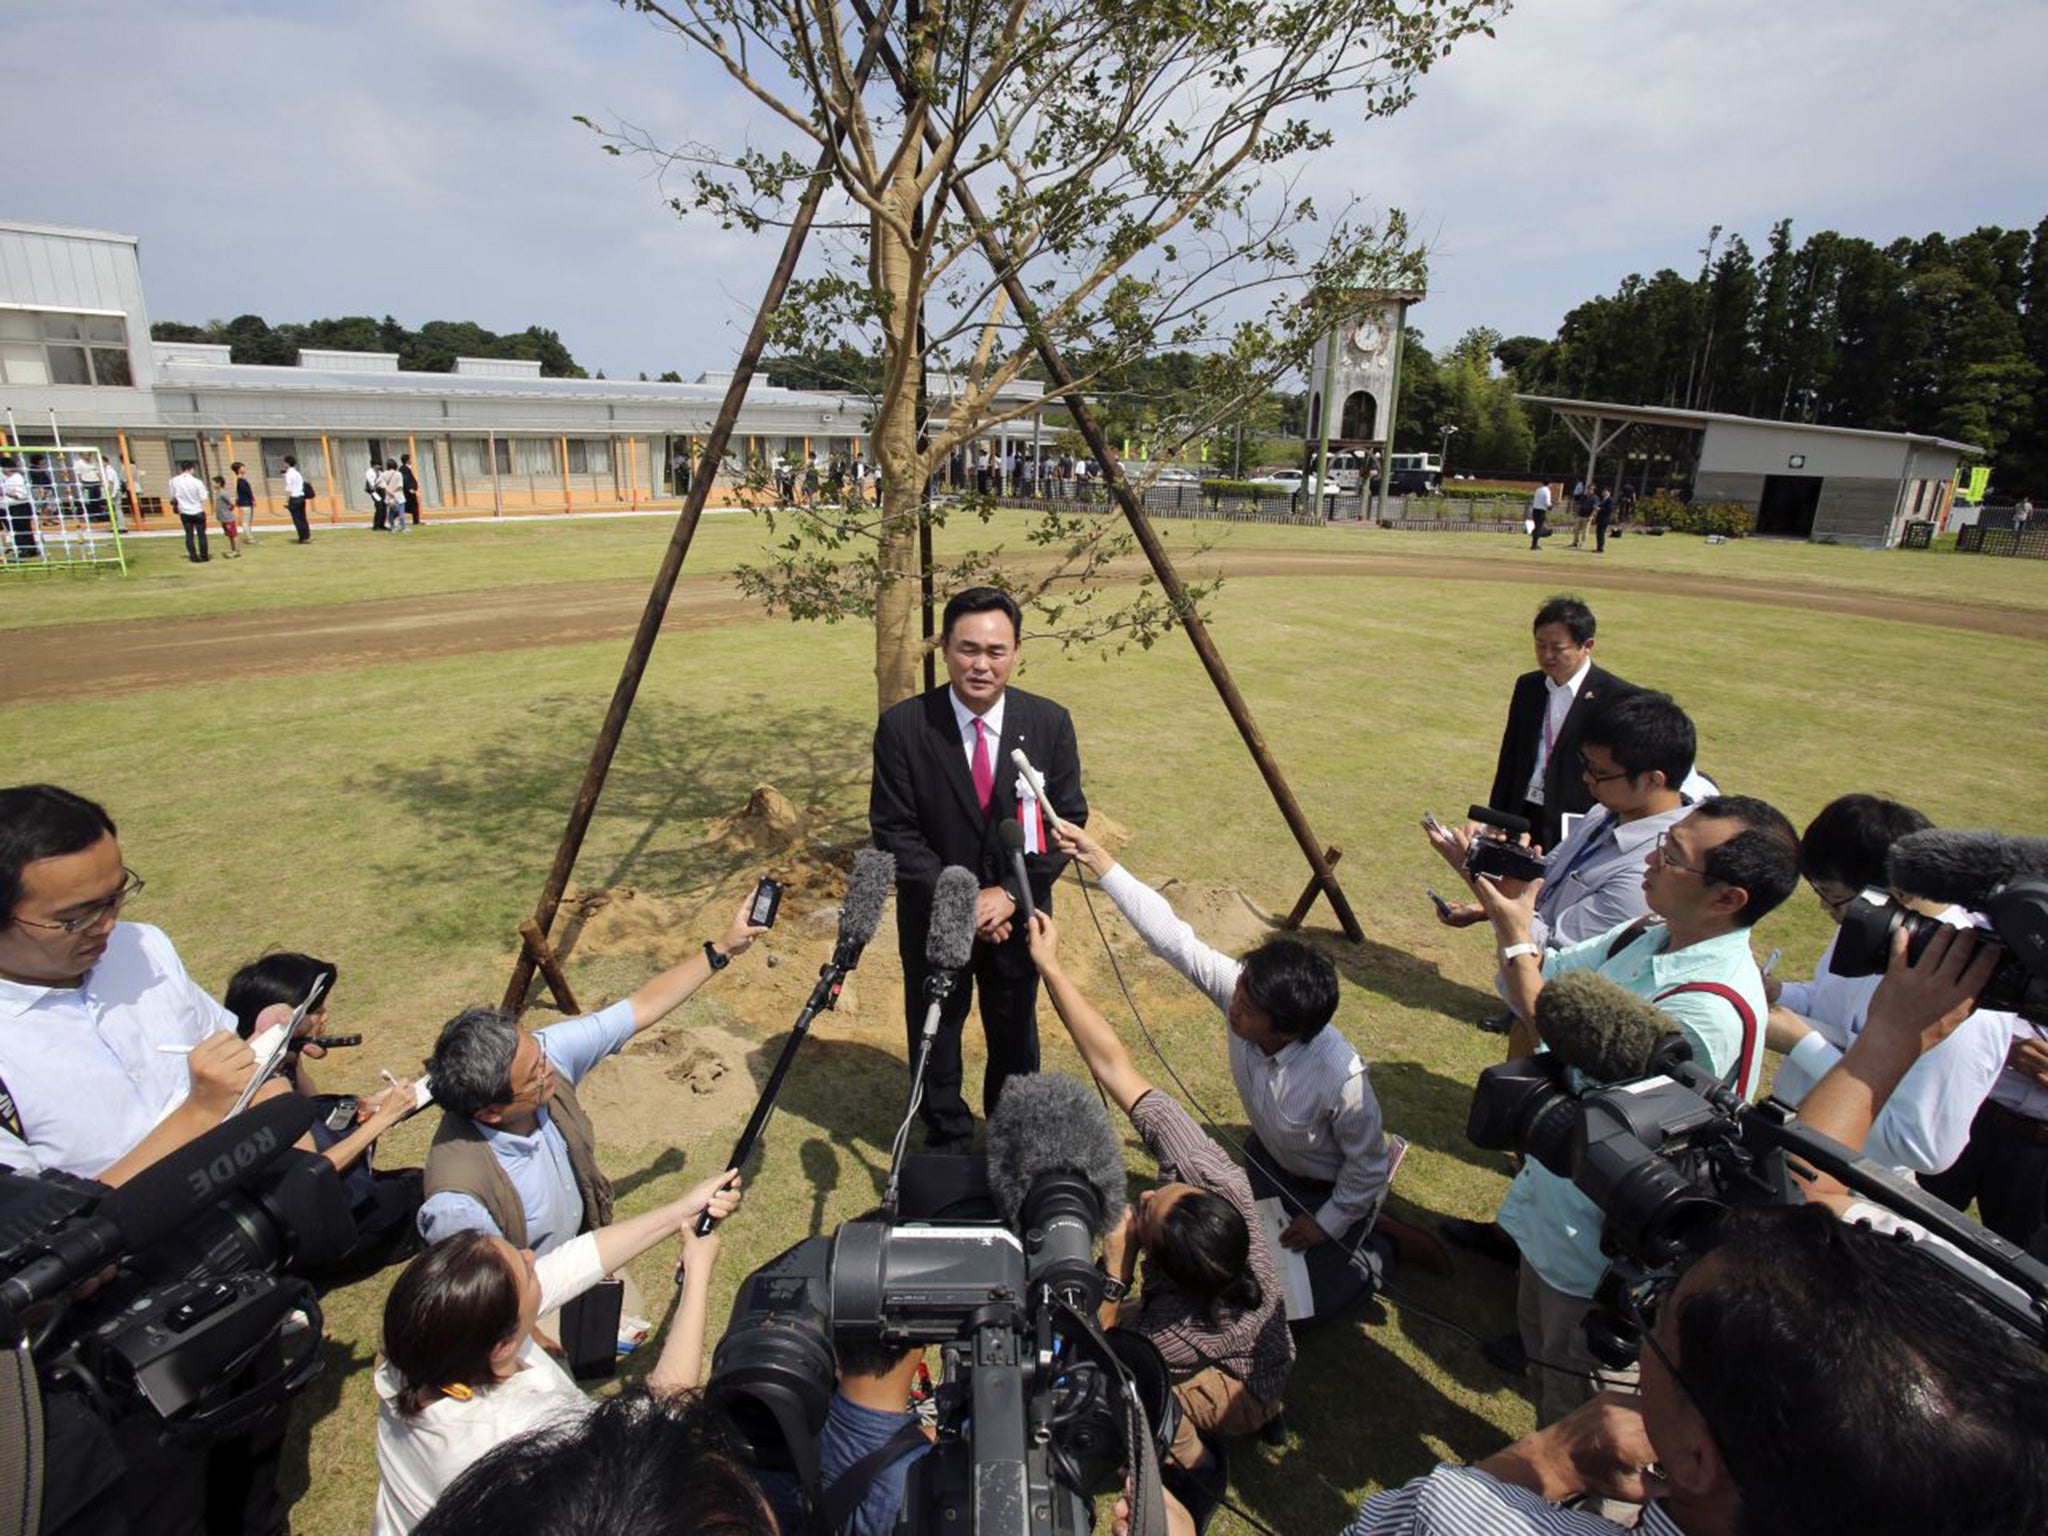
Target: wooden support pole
(1310, 892)
(607, 743)
(542, 954)
(1090, 427)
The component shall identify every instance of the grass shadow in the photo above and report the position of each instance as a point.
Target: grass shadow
(1401, 978)
(322, 1397)
(1429, 1109)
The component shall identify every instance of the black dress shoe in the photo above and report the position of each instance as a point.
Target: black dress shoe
(1497, 1023)
(1484, 1238)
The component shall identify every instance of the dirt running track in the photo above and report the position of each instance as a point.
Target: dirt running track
(69, 661)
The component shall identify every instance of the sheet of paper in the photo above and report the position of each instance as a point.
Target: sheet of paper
(1292, 1266)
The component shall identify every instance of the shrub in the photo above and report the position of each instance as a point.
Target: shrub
(1730, 519)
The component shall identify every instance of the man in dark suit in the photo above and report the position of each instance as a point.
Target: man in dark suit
(1539, 775)
(943, 783)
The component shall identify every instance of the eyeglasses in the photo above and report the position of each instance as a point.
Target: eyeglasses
(1663, 852)
(98, 912)
(1586, 772)
(1835, 904)
(1641, 1304)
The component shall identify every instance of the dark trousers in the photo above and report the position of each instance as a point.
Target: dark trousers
(1536, 533)
(1334, 1279)
(1599, 535)
(377, 513)
(195, 537)
(297, 507)
(21, 522)
(2004, 1168)
(412, 507)
(1009, 1023)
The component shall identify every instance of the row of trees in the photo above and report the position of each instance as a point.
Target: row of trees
(432, 348)
(1936, 334)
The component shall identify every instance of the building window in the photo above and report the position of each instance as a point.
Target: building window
(55, 347)
(590, 456)
(274, 451)
(536, 456)
(503, 456)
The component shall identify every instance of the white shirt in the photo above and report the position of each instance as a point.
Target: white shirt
(1924, 1125)
(964, 718)
(81, 1063)
(1464, 1501)
(1310, 1103)
(188, 494)
(1540, 502)
(13, 486)
(420, 1454)
(294, 482)
(1558, 704)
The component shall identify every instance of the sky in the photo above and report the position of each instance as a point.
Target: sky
(306, 158)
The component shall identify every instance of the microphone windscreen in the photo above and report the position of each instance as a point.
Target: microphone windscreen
(180, 1184)
(867, 891)
(1605, 1031)
(1011, 836)
(1964, 868)
(949, 941)
(1047, 1122)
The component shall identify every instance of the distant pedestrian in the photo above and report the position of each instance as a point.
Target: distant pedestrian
(1539, 515)
(1603, 514)
(245, 503)
(1584, 503)
(412, 488)
(19, 509)
(188, 499)
(373, 487)
(295, 498)
(224, 509)
(1626, 510)
(92, 490)
(391, 486)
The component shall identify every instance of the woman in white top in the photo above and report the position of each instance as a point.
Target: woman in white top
(462, 1374)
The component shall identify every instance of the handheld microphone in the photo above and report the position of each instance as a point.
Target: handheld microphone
(330, 1042)
(1605, 1031)
(1965, 869)
(1056, 1171)
(949, 941)
(860, 914)
(164, 1197)
(1037, 782)
(1012, 838)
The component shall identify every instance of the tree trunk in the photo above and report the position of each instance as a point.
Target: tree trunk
(898, 636)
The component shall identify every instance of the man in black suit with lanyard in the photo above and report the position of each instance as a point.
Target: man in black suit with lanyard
(1539, 775)
(944, 782)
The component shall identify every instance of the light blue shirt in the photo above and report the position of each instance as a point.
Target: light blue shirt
(538, 1165)
(1558, 1228)
(81, 1063)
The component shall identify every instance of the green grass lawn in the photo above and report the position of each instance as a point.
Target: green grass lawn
(398, 818)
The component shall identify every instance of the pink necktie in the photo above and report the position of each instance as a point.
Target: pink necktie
(984, 770)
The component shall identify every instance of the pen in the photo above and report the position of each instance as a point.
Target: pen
(1771, 964)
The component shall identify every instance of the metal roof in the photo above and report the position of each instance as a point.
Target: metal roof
(1672, 416)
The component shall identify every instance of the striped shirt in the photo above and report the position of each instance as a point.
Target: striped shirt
(1468, 1502)
(1253, 1346)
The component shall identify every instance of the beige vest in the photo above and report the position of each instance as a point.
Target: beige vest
(461, 1161)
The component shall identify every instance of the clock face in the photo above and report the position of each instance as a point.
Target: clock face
(1370, 338)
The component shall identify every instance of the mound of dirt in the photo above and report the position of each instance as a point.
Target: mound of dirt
(672, 1073)
(1221, 914)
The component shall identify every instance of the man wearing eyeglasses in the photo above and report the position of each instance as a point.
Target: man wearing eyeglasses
(1711, 876)
(111, 1055)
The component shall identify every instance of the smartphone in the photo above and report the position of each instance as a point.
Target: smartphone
(1431, 824)
(1443, 908)
(767, 900)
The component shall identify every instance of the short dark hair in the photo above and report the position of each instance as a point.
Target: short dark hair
(41, 821)
(1643, 731)
(982, 600)
(1763, 858)
(1569, 611)
(472, 1061)
(635, 1462)
(1853, 1385)
(283, 977)
(291, 461)
(870, 1357)
(1848, 842)
(1294, 984)
(236, 466)
(1205, 1250)
(184, 464)
(448, 1310)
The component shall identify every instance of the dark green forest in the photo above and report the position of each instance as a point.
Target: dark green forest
(432, 348)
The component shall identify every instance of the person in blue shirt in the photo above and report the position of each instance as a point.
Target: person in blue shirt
(515, 1154)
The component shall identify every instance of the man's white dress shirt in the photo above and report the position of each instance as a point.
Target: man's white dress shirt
(1557, 703)
(1310, 1103)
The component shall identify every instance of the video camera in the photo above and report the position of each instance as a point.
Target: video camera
(1495, 854)
(168, 1300)
(1039, 1411)
(1666, 1148)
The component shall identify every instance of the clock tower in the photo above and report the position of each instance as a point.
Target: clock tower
(1354, 382)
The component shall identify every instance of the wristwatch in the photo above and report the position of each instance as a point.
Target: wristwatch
(718, 962)
(1114, 1289)
(1507, 955)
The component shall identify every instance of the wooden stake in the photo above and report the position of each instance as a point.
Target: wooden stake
(543, 956)
(1310, 892)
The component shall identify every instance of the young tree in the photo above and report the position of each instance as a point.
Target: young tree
(1131, 167)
